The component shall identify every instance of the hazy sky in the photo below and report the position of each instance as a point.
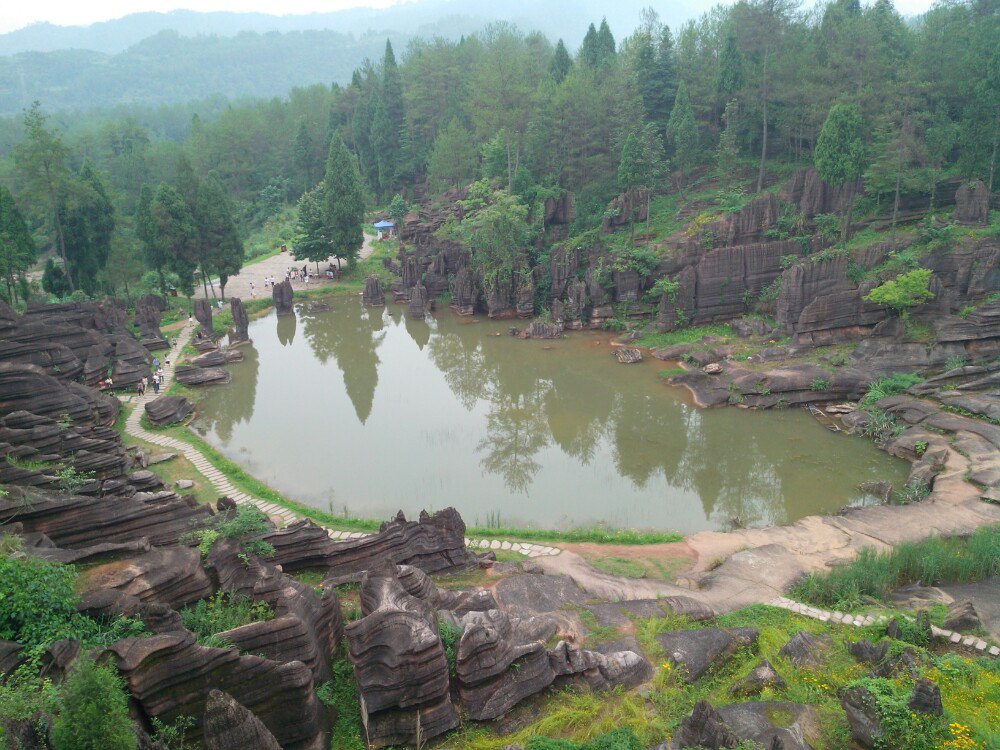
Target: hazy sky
(70, 12)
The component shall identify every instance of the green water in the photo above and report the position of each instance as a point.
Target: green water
(369, 411)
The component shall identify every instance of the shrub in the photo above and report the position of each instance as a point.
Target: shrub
(905, 291)
(94, 713)
(890, 386)
(209, 617)
(902, 727)
(819, 384)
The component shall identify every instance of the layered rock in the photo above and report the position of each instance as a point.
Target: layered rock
(281, 294)
(148, 314)
(238, 332)
(73, 521)
(172, 576)
(972, 203)
(227, 725)
(168, 410)
(697, 652)
(417, 307)
(170, 676)
(372, 294)
(203, 314)
(399, 664)
(192, 375)
(463, 292)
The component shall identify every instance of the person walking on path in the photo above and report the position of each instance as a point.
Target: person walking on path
(156, 384)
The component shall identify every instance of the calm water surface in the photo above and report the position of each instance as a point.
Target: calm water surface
(369, 411)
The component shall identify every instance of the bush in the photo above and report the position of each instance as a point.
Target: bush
(905, 291)
(39, 606)
(94, 713)
(890, 386)
(341, 694)
(209, 617)
(450, 635)
(819, 384)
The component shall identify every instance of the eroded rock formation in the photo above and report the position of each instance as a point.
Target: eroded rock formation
(281, 294)
(238, 333)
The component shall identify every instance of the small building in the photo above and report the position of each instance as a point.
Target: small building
(384, 229)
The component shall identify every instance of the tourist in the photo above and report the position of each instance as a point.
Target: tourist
(156, 360)
(253, 294)
(156, 384)
(220, 304)
(305, 278)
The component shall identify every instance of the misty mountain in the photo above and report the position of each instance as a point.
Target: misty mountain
(557, 18)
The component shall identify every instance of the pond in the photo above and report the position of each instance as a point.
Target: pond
(366, 412)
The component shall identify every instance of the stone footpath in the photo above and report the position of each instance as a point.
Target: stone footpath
(858, 621)
(133, 426)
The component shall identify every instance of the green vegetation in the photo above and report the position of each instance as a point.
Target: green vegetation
(932, 561)
(889, 386)
(39, 608)
(94, 714)
(569, 718)
(905, 291)
(619, 566)
(450, 635)
(246, 523)
(209, 617)
(689, 335)
(341, 695)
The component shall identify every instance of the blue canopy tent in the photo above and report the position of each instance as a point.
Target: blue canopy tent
(384, 228)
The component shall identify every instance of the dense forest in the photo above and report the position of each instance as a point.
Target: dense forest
(742, 94)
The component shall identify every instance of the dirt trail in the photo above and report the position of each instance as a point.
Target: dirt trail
(276, 266)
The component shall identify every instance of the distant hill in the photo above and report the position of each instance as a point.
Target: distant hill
(164, 58)
(557, 18)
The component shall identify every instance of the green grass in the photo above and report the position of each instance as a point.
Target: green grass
(890, 386)
(931, 561)
(671, 372)
(209, 617)
(341, 695)
(619, 566)
(266, 242)
(690, 335)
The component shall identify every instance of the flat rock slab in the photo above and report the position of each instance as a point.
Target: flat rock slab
(538, 593)
(620, 614)
(699, 651)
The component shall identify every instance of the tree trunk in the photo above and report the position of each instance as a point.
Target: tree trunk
(204, 284)
(845, 230)
(763, 143)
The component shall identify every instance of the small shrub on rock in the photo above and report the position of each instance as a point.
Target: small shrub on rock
(209, 617)
(94, 713)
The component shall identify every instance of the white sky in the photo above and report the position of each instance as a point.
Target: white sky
(17, 13)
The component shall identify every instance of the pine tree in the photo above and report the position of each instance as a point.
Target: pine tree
(840, 154)
(453, 159)
(42, 161)
(153, 256)
(729, 75)
(665, 75)
(174, 235)
(88, 219)
(17, 248)
(605, 44)
(384, 149)
(344, 206)
(221, 252)
(590, 50)
(312, 235)
(683, 131)
(561, 63)
(302, 156)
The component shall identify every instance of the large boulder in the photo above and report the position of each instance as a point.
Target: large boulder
(170, 676)
(399, 664)
(972, 203)
(281, 294)
(704, 728)
(806, 650)
(372, 294)
(862, 717)
(696, 652)
(203, 314)
(173, 576)
(417, 308)
(227, 725)
(193, 376)
(168, 409)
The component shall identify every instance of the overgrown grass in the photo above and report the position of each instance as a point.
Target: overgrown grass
(266, 242)
(341, 695)
(619, 566)
(690, 335)
(931, 561)
(209, 617)
(890, 386)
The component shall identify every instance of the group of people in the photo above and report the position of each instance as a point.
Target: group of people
(156, 380)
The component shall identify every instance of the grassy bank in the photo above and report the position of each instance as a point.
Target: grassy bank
(246, 482)
(931, 561)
